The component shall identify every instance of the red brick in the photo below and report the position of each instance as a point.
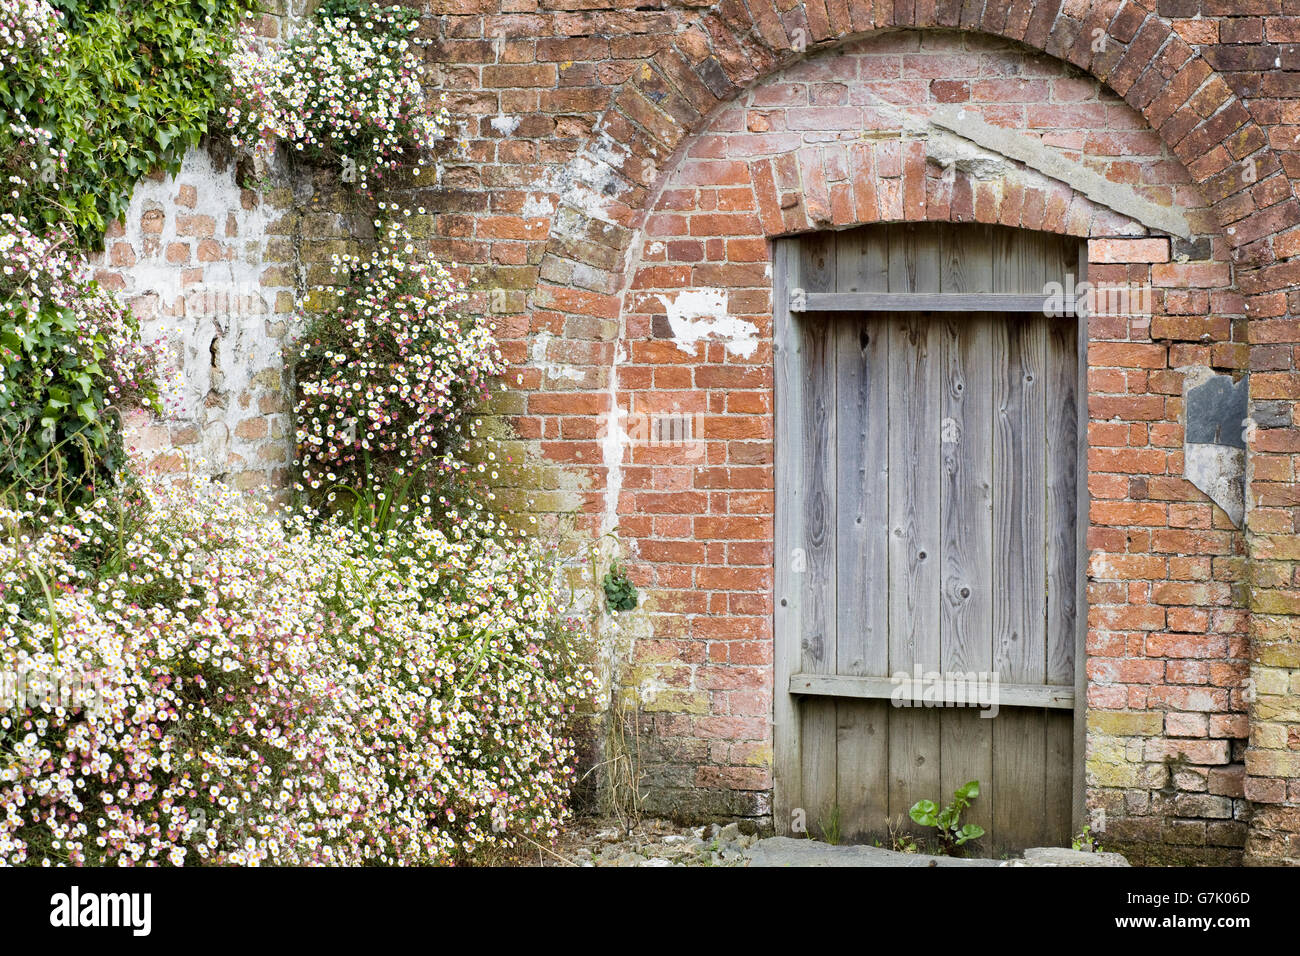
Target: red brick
(1128, 250)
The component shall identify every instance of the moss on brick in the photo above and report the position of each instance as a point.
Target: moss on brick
(1124, 724)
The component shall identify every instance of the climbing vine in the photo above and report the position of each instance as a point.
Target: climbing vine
(98, 93)
(94, 95)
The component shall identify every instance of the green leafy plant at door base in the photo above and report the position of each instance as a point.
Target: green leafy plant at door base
(952, 833)
(1087, 841)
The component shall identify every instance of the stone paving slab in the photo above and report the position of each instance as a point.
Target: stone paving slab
(662, 843)
(787, 851)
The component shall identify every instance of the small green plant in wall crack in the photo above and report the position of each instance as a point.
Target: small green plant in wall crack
(952, 833)
(1087, 841)
(620, 593)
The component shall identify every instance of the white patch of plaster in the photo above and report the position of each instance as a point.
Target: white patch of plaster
(649, 689)
(698, 314)
(551, 370)
(614, 440)
(537, 205)
(218, 331)
(655, 248)
(504, 124)
(591, 180)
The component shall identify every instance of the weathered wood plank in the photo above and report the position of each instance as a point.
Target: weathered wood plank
(966, 509)
(1062, 497)
(966, 493)
(862, 755)
(916, 302)
(967, 274)
(818, 442)
(862, 494)
(861, 263)
(788, 532)
(914, 260)
(915, 371)
(1019, 606)
(1051, 696)
(1058, 776)
(817, 270)
(862, 536)
(1066, 428)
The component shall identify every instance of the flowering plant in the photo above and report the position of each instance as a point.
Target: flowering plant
(70, 353)
(387, 376)
(30, 159)
(29, 30)
(287, 688)
(346, 86)
(276, 690)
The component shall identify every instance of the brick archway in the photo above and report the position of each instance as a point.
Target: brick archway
(1125, 46)
(655, 113)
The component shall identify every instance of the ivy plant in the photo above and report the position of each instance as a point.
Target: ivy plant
(70, 360)
(127, 92)
(620, 592)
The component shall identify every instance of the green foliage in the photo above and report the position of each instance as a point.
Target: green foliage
(52, 428)
(952, 834)
(620, 593)
(832, 830)
(70, 359)
(130, 93)
(1086, 840)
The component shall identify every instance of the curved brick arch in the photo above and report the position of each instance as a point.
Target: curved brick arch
(1193, 111)
(1131, 50)
(809, 189)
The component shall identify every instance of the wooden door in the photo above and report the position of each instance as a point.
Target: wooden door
(927, 464)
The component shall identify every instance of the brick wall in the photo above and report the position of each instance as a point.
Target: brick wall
(622, 171)
(205, 264)
(1167, 643)
(213, 261)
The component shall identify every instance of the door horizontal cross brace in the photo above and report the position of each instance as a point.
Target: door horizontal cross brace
(939, 692)
(801, 301)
